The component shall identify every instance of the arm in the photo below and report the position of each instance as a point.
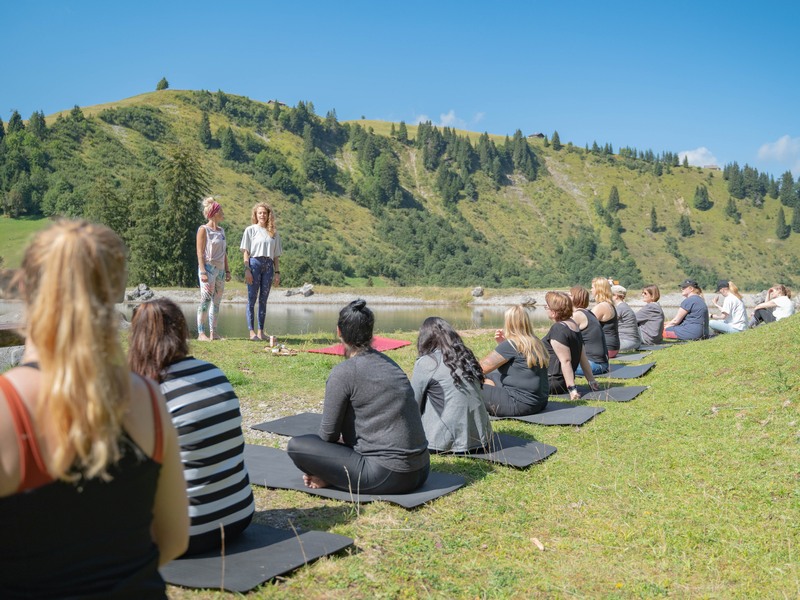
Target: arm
(227, 268)
(678, 318)
(170, 527)
(245, 248)
(492, 361)
(563, 355)
(337, 399)
(587, 372)
(423, 369)
(277, 278)
(603, 312)
(201, 250)
(767, 304)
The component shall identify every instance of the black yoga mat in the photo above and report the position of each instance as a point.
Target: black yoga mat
(560, 413)
(272, 468)
(622, 393)
(503, 449)
(627, 371)
(661, 346)
(259, 554)
(631, 356)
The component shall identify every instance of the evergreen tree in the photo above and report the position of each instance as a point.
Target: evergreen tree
(685, 226)
(782, 230)
(733, 212)
(402, 132)
(319, 169)
(686, 160)
(772, 187)
(36, 125)
(204, 132)
(162, 85)
(229, 146)
(796, 219)
(653, 220)
(787, 194)
(147, 248)
(556, 141)
(2, 130)
(658, 168)
(613, 200)
(393, 132)
(15, 123)
(701, 199)
(185, 183)
(104, 205)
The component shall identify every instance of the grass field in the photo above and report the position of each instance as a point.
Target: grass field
(691, 490)
(14, 237)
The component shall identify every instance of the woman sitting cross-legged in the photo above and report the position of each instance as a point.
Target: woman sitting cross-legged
(691, 320)
(732, 317)
(629, 338)
(565, 346)
(516, 370)
(371, 439)
(606, 313)
(594, 341)
(205, 411)
(650, 317)
(447, 384)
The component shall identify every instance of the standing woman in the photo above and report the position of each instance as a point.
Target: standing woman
(691, 320)
(92, 497)
(650, 317)
(261, 247)
(447, 384)
(606, 313)
(212, 267)
(205, 410)
(371, 439)
(732, 317)
(564, 344)
(516, 370)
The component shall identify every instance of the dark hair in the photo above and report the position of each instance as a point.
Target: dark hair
(158, 338)
(355, 326)
(437, 334)
(580, 296)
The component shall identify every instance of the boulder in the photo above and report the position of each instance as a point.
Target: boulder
(140, 293)
(477, 292)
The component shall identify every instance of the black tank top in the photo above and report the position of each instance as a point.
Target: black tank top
(611, 331)
(594, 340)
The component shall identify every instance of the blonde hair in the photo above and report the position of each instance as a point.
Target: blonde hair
(602, 289)
(72, 274)
(782, 290)
(518, 330)
(733, 289)
(207, 204)
(271, 229)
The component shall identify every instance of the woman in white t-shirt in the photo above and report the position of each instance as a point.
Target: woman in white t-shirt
(261, 247)
(732, 316)
(777, 306)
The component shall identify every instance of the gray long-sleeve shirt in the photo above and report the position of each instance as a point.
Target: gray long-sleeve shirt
(651, 323)
(370, 403)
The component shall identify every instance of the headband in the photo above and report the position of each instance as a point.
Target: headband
(215, 208)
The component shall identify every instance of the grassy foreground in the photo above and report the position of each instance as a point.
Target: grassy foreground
(691, 490)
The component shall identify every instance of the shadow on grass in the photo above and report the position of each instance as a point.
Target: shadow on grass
(320, 518)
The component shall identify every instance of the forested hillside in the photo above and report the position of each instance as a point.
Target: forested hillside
(373, 202)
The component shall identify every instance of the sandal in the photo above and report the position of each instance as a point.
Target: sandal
(255, 338)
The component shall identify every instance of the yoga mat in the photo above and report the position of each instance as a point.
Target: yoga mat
(259, 554)
(622, 393)
(560, 413)
(503, 449)
(380, 344)
(661, 346)
(272, 468)
(627, 371)
(632, 357)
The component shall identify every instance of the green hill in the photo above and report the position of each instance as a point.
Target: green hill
(403, 205)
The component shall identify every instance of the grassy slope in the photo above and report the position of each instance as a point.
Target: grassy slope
(691, 490)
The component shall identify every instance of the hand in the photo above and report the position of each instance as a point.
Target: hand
(227, 275)
(499, 336)
(574, 395)
(248, 277)
(594, 385)
(276, 281)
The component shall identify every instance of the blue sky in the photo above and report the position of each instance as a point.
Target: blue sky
(717, 80)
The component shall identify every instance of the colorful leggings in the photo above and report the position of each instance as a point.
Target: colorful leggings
(210, 298)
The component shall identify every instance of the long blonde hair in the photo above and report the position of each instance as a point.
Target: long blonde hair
(271, 228)
(733, 289)
(518, 330)
(72, 274)
(602, 289)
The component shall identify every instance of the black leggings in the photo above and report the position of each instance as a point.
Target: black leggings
(499, 403)
(764, 315)
(342, 467)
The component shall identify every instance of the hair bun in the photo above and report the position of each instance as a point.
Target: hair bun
(359, 304)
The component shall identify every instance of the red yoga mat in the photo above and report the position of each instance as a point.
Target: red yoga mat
(380, 344)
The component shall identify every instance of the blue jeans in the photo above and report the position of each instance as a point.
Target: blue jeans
(597, 368)
(263, 269)
(722, 326)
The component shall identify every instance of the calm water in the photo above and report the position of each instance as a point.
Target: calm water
(286, 319)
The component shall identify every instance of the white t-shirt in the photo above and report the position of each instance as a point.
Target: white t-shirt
(736, 311)
(258, 242)
(784, 307)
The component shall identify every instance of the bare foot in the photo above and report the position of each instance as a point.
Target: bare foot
(203, 338)
(314, 482)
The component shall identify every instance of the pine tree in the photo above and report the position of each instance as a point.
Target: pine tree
(556, 141)
(613, 200)
(653, 220)
(229, 146)
(782, 230)
(2, 130)
(185, 183)
(162, 85)
(685, 226)
(787, 194)
(686, 160)
(15, 123)
(701, 199)
(402, 132)
(36, 125)
(204, 131)
(796, 219)
(733, 212)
